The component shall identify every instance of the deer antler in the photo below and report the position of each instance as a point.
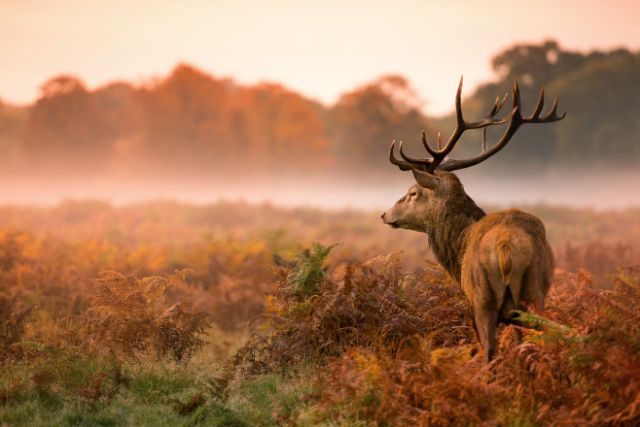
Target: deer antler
(439, 159)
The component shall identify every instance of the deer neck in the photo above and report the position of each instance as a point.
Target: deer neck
(448, 232)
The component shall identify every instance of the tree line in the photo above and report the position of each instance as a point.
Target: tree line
(191, 122)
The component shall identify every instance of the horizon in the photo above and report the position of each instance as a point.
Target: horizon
(309, 49)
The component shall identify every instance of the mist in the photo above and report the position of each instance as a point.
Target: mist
(613, 190)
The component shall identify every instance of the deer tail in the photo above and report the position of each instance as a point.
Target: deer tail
(505, 260)
(514, 256)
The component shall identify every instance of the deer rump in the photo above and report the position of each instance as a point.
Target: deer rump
(508, 263)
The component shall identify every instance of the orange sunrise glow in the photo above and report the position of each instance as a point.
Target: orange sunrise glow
(320, 48)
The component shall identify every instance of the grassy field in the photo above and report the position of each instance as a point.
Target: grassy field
(173, 314)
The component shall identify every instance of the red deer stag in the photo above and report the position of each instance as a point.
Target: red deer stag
(501, 260)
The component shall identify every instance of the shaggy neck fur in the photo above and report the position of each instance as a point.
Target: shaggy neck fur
(447, 232)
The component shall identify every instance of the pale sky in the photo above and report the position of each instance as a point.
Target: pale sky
(319, 48)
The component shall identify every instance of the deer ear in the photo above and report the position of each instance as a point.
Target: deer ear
(426, 180)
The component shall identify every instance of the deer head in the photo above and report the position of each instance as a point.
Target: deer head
(438, 196)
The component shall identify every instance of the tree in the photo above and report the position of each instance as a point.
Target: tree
(66, 128)
(279, 129)
(185, 120)
(366, 120)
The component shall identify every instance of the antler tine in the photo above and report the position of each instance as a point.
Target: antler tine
(552, 116)
(459, 118)
(427, 147)
(484, 139)
(489, 119)
(540, 105)
(461, 126)
(554, 108)
(497, 106)
(406, 165)
(425, 162)
(516, 96)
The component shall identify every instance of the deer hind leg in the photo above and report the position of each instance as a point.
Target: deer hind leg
(486, 309)
(486, 317)
(534, 287)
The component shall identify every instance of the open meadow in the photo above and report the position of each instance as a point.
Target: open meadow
(259, 213)
(245, 315)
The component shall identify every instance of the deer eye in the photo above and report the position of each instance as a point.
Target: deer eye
(413, 194)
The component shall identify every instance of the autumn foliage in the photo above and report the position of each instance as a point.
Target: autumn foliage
(192, 121)
(400, 350)
(230, 313)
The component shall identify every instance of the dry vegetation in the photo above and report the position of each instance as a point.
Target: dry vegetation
(167, 314)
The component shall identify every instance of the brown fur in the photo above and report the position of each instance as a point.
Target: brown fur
(502, 260)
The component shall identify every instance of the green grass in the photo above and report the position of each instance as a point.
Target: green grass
(57, 392)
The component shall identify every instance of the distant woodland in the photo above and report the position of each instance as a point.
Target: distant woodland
(193, 123)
